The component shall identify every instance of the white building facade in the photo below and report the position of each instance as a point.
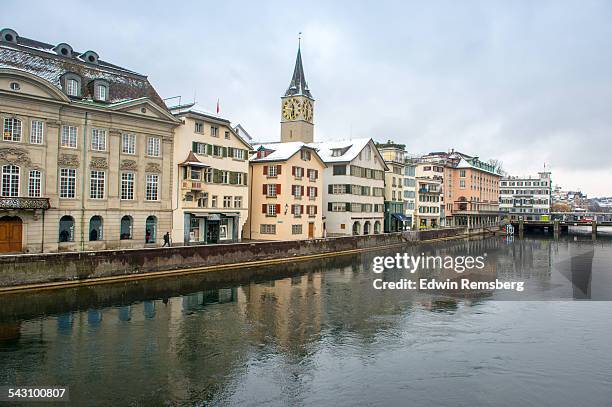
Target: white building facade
(529, 197)
(353, 185)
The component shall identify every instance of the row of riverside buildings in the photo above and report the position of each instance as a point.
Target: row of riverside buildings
(92, 158)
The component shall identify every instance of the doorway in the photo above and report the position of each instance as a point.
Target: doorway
(10, 234)
(310, 230)
(212, 232)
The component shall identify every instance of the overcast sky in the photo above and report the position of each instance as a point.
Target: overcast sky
(525, 82)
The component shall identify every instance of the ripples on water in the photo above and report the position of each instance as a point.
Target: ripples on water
(317, 334)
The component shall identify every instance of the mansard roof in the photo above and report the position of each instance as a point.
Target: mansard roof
(52, 62)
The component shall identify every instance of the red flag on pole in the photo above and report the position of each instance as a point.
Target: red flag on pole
(218, 107)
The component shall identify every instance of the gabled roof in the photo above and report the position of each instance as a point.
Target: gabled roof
(351, 148)
(282, 151)
(197, 111)
(41, 60)
(298, 85)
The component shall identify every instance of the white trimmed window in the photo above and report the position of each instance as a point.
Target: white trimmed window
(69, 137)
(67, 183)
(271, 190)
(296, 229)
(36, 132)
(127, 185)
(98, 139)
(239, 178)
(152, 187)
(227, 201)
(34, 184)
(225, 177)
(199, 127)
(153, 144)
(12, 129)
(101, 92)
(297, 210)
(213, 201)
(96, 184)
(214, 131)
(237, 202)
(72, 87)
(271, 210)
(296, 191)
(128, 143)
(272, 171)
(10, 180)
(238, 154)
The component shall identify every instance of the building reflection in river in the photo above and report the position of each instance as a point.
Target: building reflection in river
(186, 340)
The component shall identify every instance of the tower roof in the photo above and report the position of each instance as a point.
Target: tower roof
(298, 85)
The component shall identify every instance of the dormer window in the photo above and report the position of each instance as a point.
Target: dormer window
(72, 87)
(101, 92)
(72, 84)
(99, 89)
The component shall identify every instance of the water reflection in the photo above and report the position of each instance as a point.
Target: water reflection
(307, 333)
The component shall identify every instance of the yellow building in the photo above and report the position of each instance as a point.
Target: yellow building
(85, 154)
(211, 179)
(286, 193)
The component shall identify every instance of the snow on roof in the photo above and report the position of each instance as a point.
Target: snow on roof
(280, 151)
(354, 147)
(197, 109)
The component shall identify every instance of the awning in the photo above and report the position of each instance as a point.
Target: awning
(402, 217)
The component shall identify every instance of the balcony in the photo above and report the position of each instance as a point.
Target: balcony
(24, 203)
(192, 185)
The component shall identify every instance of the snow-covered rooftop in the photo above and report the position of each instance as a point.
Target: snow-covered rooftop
(353, 148)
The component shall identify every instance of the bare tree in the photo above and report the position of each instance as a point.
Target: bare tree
(498, 164)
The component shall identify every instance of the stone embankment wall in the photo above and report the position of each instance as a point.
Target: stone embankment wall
(16, 270)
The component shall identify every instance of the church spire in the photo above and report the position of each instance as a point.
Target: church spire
(298, 85)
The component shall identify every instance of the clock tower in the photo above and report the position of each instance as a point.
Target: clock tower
(297, 107)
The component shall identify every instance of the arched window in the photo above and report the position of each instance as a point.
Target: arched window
(126, 228)
(66, 229)
(366, 228)
(95, 228)
(150, 229)
(376, 227)
(10, 180)
(356, 228)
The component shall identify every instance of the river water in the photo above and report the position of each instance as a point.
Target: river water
(318, 333)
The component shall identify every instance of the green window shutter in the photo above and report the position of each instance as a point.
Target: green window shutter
(244, 178)
(330, 188)
(194, 146)
(230, 152)
(224, 151)
(348, 206)
(209, 149)
(216, 176)
(233, 178)
(329, 206)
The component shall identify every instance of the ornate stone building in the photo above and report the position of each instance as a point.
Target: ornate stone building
(85, 153)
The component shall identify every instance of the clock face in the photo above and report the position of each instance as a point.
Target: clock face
(291, 109)
(307, 110)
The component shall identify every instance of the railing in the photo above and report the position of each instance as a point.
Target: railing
(24, 203)
(192, 185)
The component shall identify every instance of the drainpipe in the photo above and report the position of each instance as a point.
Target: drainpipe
(42, 242)
(250, 204)
(83, 183)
